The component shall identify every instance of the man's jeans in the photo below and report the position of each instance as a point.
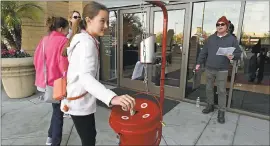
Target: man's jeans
(56, 126)
(220, 77)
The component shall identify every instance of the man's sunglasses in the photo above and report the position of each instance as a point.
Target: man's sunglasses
(220, 24)
(76, 17)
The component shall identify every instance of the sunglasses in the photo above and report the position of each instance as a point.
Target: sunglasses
(220, 24)
(77, 17)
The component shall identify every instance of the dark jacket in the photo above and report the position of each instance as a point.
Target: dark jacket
(210, 48)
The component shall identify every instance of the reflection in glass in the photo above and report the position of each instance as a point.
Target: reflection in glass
(205, 16)
(252, 80)
(174, 46)
(108, 52)
(132, 34)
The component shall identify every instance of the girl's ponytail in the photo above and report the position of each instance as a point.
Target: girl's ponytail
(76, 28)
(82, 24)
(50, 23)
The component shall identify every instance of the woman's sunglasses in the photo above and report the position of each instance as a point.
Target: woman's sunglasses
(76, 17)
(220, 24)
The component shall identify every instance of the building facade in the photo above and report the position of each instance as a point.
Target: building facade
(190, 22)
(33, 30)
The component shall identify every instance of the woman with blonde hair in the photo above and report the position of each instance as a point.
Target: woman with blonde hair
(74, 16)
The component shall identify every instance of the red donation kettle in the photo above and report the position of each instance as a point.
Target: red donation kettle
(145, 126)
(142, 128)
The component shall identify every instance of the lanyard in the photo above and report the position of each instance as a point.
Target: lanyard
(97, 51)
(95, 44)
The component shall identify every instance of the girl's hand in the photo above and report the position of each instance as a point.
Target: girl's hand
(126, 101)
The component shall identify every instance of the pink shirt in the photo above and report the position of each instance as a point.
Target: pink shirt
(55, 62)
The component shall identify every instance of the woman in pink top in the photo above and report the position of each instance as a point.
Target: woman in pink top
(56, 64)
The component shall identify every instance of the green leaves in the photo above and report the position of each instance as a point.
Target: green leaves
(12, 13)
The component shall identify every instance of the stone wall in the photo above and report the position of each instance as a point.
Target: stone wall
(34, 30)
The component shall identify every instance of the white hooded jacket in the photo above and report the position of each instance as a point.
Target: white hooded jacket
(83, 76)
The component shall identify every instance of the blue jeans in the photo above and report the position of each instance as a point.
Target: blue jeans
(56, 126)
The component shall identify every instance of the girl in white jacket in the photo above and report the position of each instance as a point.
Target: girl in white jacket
(83, 86)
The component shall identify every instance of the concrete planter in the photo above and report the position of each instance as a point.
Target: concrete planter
(18, 77)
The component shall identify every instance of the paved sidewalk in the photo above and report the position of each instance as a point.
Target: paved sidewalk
(25, 122)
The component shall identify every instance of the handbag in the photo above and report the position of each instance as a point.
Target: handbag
(48, 93)
(59, 88)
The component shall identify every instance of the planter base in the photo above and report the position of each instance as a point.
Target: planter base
(18, 77)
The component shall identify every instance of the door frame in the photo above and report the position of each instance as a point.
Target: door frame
(171, 91)
(127, 82)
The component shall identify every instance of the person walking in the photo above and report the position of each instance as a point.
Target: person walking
(217, 65)
(55, 65)
(83, 86)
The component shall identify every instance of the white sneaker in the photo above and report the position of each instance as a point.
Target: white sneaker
(66, 115)
(49, 141)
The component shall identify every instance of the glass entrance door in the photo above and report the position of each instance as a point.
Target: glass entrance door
(132, 22)
(176, 47)
(132, 72)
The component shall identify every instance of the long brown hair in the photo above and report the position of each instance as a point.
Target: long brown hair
(70, 16)
(53, 23)
(74, 30)
(90, 10)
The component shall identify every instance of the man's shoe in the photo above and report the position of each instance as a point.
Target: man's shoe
(251, 80)
(209, 108)
(221, 117)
